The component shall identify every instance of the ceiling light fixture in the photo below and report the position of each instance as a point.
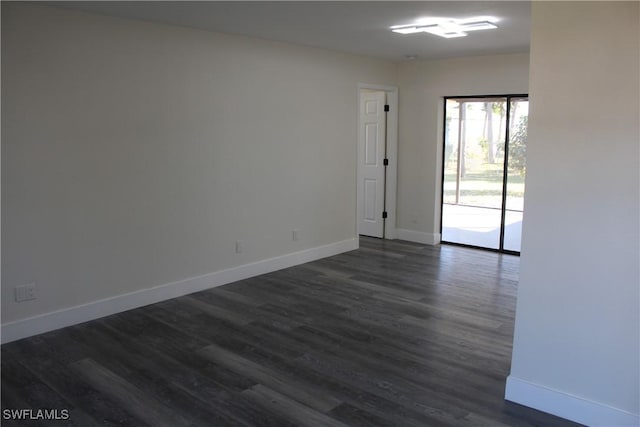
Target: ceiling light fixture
(447, 27)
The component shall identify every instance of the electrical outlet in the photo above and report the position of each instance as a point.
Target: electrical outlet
(26, 292)
(295, 235)
(238, 246)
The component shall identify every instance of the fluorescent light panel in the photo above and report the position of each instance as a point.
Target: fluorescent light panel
(447, 27)
(483, 25)
(408, 30)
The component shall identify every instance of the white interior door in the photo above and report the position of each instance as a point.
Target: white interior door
(371, 154)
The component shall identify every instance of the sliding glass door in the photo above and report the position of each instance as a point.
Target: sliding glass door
(483, 171)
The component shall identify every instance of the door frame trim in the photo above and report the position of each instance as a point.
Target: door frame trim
(390, 231)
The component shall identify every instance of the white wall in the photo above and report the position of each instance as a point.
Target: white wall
(423, 85)
(136, 154)
(577, 332)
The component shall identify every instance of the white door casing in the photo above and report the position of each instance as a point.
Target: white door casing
(371, 170)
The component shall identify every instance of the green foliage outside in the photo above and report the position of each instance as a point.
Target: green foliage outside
(481, 169)
(518, 147)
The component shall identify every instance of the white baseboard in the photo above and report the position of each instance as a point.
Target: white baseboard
(418, 236)
(73, 315)
(567, 406)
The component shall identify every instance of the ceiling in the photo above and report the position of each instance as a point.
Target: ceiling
(358, 27)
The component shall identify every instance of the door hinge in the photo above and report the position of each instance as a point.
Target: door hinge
(384, 215)
(386, 108)
(385, 162)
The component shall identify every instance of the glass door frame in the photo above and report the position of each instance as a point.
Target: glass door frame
(505, 173)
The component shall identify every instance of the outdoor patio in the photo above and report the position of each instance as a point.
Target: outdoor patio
(480, 227)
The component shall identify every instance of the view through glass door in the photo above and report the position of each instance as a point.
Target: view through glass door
(484, 164)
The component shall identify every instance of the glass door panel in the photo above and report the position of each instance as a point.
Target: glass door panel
(483, 171)
(473, 171)
(516, 169)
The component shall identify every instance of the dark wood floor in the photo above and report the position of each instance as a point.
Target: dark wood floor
(393, 334)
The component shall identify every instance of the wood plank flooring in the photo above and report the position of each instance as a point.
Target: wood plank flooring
(392, 334)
